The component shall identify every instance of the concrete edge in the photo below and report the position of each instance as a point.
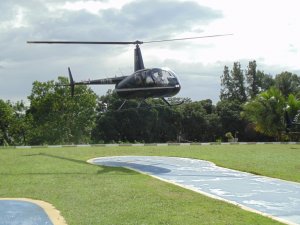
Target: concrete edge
(151, 144)
(53, 214)
(206, 194)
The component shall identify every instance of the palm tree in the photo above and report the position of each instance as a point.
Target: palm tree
(266, 112)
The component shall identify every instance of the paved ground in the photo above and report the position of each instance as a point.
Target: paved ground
(276, 198)
(15, 212)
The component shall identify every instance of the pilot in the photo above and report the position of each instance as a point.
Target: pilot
(138, 79)
(161, 79)
(149, 79)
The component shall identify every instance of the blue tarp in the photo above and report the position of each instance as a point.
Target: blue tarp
(277, 198)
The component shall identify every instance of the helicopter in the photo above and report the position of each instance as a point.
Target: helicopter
(143, 83)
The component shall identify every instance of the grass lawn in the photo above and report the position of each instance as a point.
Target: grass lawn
(92, 195)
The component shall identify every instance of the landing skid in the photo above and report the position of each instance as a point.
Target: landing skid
(169, 104)
(149, 106)
(122, 105)
(138, 106)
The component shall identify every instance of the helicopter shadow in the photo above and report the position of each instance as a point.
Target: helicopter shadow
(102, 169)
(136, 167)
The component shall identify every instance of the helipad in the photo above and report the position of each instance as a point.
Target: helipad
(271, 197)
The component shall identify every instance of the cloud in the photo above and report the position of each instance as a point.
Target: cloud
(157, 19)
(138, 19)
(21, 64)
(44, 20)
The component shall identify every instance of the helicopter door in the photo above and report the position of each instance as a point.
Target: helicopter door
(139, 79)
(149, 81)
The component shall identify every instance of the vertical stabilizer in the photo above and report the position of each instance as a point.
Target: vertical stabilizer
(72, 83)
(138, 59)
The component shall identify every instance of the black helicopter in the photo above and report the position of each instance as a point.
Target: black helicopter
(143, 83)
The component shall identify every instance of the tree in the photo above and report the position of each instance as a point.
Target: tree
(6, 115)
(194, 121)
(252, 80)
(21, 124)
(293, 107)
(238, 82)
(208, 106)
(214, 127)
(266, 112)
(57, 117)
(233, 84)
(287, 83)
(226, 85)
(14, 123)
(265, 81)
(154, 122)
(229, 113)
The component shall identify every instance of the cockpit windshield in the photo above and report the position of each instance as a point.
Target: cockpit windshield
(163, 77)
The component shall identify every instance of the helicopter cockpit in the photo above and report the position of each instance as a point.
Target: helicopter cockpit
(150, 82)
(158, 77)
(163, 77)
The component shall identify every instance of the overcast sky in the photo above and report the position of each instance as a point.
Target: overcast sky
(265, 31)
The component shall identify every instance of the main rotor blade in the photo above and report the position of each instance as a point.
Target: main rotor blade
(121, 42)
(87, 42)
(188, 38)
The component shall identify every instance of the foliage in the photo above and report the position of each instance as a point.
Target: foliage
(200, 121)
(257, 80)
(287, 83)
(154, 122)
(6, 114)
(229, 135)
(53, 117)
(20, 124)
(293, 105)
(265, 81)
(233, 84)
(238, 82)
(266, 112)
(252, 80)
(193, 121)
(226, 85)
(230, 119)
(57, 117)
(14, 123)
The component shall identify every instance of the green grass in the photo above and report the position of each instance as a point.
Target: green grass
(91, 195)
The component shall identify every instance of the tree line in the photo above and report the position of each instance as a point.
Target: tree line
(251, 108)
